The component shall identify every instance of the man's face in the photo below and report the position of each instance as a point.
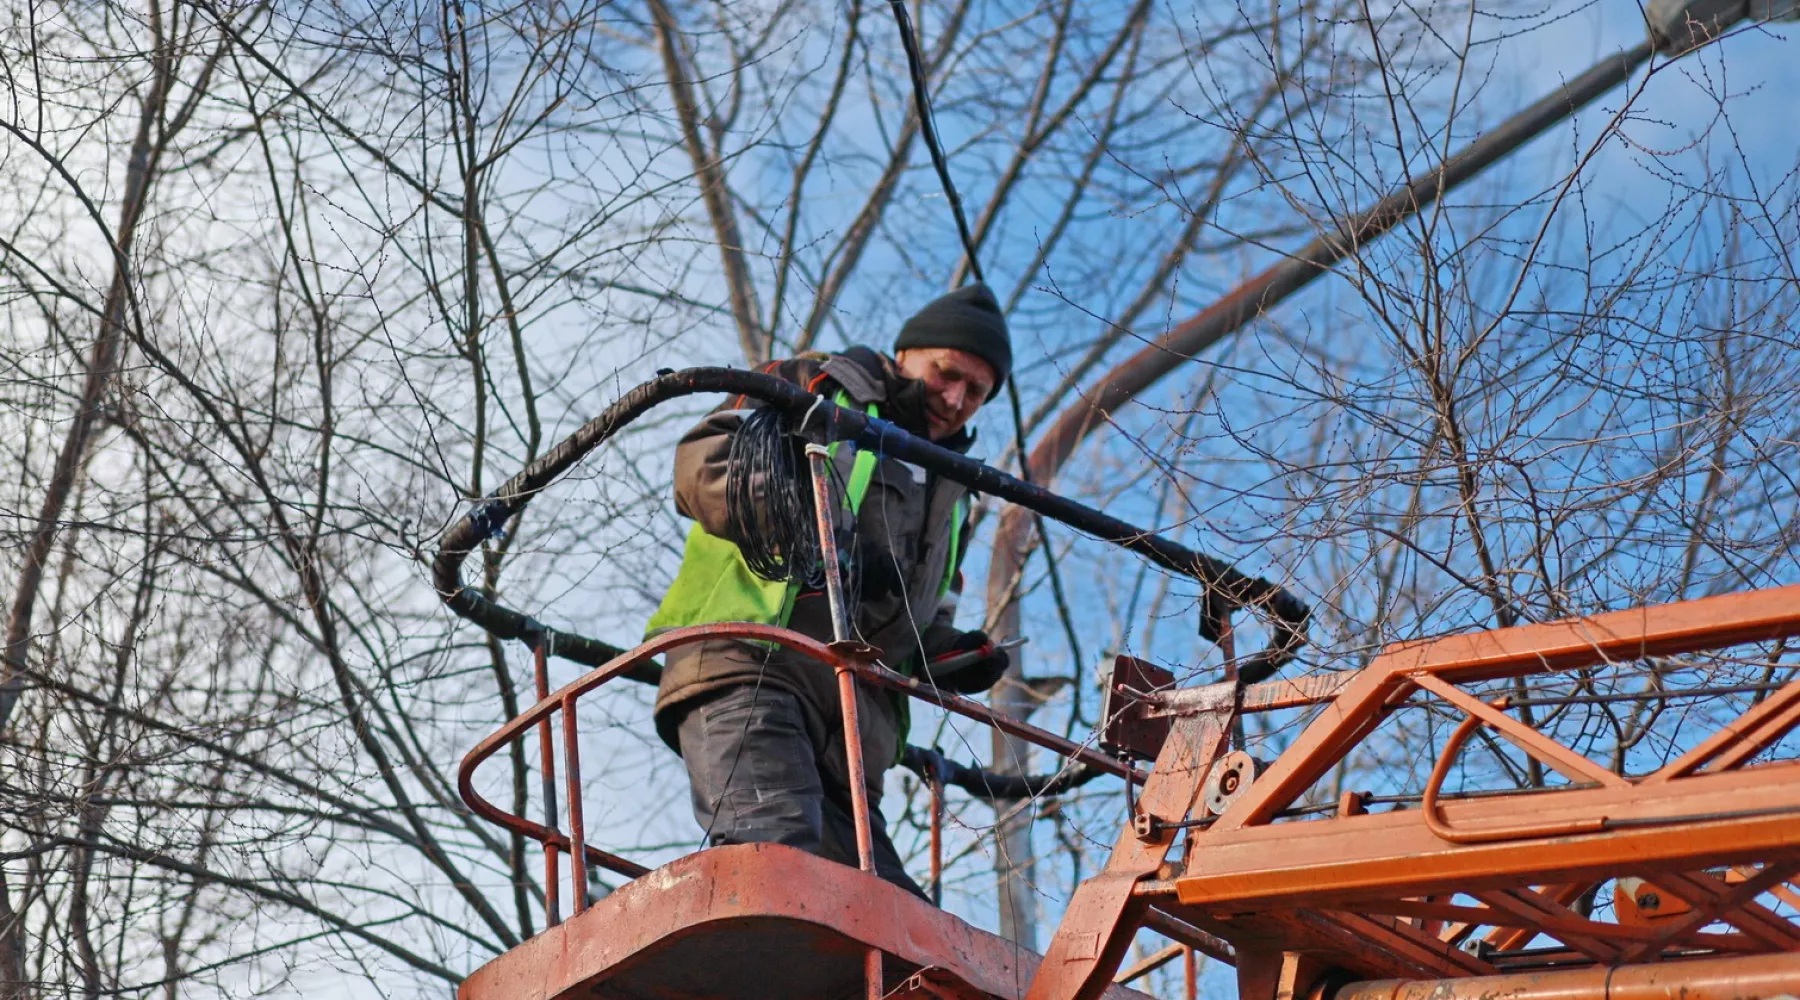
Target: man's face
(956, 384)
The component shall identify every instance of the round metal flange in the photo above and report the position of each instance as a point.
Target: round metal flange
(1229, 779)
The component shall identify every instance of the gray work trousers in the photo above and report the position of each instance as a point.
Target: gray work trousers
(756, 774)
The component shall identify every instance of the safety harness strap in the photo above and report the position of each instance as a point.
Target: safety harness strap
(862, 469)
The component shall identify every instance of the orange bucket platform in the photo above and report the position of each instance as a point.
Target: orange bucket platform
(758, 922)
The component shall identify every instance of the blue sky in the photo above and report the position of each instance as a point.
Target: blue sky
(1676, 123)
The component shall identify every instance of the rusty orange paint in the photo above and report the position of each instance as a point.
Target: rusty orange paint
(1507, 938)
(690, 929)
(1314, 886)
(1668, 629)
(1428, 804)
(1099, 923)
(1334, 859)
(1346, 893)
(1572, 765)
(1755, 729)
(1747, 978)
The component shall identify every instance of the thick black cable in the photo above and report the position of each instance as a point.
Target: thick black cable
(915, 65)
(990, 786)
(1287, 615)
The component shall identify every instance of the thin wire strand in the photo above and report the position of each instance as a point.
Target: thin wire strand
(928, 128)
(915, 65)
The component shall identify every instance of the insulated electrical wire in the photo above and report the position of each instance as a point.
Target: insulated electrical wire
(768, 501)
(921, 92)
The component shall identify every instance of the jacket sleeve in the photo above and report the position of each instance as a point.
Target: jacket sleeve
(702, 454)
(942, 633)
(700, 467)
(941, 637)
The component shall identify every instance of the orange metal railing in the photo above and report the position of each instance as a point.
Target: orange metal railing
(561, 704)
(1395, 886)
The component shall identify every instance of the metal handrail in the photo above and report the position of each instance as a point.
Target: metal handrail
(828, 655)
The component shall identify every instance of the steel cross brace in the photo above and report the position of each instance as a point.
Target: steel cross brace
(1104, 913)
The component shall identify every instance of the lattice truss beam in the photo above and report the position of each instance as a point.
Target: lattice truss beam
(1700, 854)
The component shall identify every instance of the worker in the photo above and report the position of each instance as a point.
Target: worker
(759, 728)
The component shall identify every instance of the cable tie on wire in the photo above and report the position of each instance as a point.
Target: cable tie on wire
(807, 416)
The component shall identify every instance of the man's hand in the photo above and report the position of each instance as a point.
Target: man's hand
(969, 665)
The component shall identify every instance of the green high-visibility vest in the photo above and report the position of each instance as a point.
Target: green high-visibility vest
(714, 583)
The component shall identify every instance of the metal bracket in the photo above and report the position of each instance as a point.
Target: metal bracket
(855, 649)
(1191, 701)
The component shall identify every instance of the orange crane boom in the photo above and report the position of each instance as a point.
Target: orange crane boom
(1475, 886)
(1463, 896)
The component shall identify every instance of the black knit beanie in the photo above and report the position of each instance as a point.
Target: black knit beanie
(967, 319)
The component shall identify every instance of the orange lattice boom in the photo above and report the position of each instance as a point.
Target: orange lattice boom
(1700, 851)
(1465, 896)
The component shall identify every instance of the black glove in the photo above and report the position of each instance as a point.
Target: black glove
(969, 665)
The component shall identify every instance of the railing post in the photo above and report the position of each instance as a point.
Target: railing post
(935, 785)
(825, 517)
(578, 873)
(547, 757)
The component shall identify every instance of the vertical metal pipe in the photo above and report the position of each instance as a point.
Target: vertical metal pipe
(1190, 974)
(872, 974)
(824, 512)
(936, 788)
(552, 885)
(578, 872)
(859, 792)
(547, 769)
(824, 516)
